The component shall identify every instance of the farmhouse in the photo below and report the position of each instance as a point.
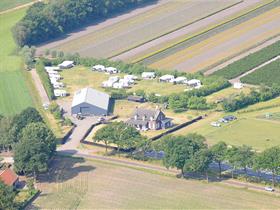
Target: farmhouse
(88, 101)
(148, 75)
(66, 65)
(166, 78)
(145, 119)
(9, 177)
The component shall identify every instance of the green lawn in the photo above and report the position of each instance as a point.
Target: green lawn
(14, 95)
(82, 184)
(8, 4)
(250, 129)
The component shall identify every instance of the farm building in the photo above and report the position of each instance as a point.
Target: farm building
(66, 65)
(139, 99)
(180, 80)
(145, 119)
(194, 83)
(59, 93)
(88, 101)
(98, 68)
(148, 75)
(237, 85)
(52, 68)
(111, 70)
(166, 78)
(130, 77)
(9, 177)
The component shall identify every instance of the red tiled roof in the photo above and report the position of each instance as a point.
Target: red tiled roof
(8, 177)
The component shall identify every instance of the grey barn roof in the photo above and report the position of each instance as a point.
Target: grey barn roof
(148, 113)
(91, 96)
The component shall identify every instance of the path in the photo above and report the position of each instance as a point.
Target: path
(39, 86)
(188, 29)
(237, 79)
(19, 7)
(251, 51)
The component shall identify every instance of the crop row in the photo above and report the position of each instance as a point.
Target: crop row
(268, 75)
(249, 62)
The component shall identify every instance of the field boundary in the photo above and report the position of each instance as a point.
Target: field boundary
(201, 33)
(173, 30)
(205, 70)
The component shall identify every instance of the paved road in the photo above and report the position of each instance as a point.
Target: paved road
(39, 86)
(188, 29)
(259, 47)
(237, 79)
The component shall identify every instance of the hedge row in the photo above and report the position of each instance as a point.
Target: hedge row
(249, 62)
(268, 75)
(40, 68)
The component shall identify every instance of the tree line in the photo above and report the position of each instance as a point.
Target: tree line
(190, 153)
(234, 103)
(44, 21)
(32, 142)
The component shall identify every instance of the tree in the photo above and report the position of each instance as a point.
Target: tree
(179, 149)
(29, 115)
(219, 152)
(124, 136)
(241, 157)
(34, 150)
(269, 160)
(200, 162)
(7, 197)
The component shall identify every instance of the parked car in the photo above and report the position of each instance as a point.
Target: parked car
(222, 120)
(80, 116)
(230, 118)
(215, 124)
(46, 106)
(269, 189)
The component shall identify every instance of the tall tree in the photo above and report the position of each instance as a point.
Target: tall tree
(179, 149)
(6, 140)
(7, 197)
(269, 160)
(34, 150)
(219, 152)
(200, 162)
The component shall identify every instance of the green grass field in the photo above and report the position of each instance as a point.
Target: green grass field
(249, 129)
(80, 184)
(8, 4)
(14, 95)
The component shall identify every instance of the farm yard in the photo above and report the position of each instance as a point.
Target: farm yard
(84, 77)
(82, 184)
(111, 39)
(249, 128)
(14, 92)
(221, 46)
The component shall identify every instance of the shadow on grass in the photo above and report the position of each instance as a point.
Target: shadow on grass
(65, 168)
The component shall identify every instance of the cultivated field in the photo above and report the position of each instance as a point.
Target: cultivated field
(14, 94)
(222, 45)
(166, 16)
(8, 4)
(268, 75)
(80, 184)
(250, 129)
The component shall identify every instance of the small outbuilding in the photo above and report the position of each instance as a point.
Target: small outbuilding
(88, 101)
(167, 78)
(148, 75)
(100, 68)
(238, 85)
(9, 177)
(60, 93)
(139, 99)
(66, 65)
